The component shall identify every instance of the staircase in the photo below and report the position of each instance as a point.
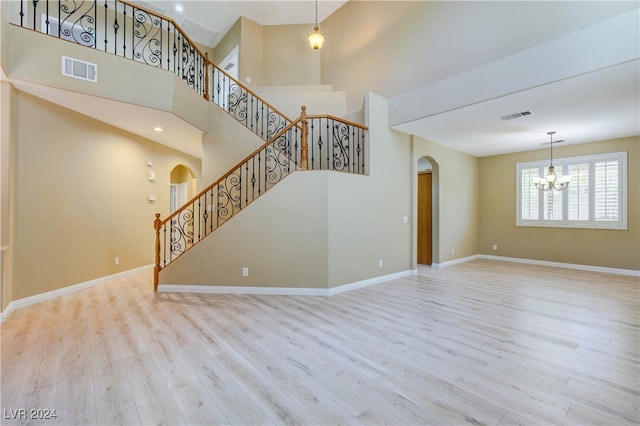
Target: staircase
(308, 142)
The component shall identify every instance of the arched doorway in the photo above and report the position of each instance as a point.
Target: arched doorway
(182, 186)
(427, 214)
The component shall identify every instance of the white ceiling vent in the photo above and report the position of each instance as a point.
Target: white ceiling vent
(79, 69)
(516, 115)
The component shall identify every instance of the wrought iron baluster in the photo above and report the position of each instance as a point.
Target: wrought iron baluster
(35, 14)
(246, 187)
(262, 121)
(164, 246)
(124, 32)
(116, 27)
(330, 142)
(199, 206)
(218, 206)
(363, 153)
(47, 19)
(352, 166)
(161, 48)
(249, 115)
(295, 136)
(95, 23)
(22, 13)
(106, 12)
(205, 214)
(253, 178)
(211, 208)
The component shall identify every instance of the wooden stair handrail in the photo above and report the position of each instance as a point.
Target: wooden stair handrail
(231, 170)
(301, 122)
(250, 91)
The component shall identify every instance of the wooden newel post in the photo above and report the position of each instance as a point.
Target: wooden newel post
(304, 143)
(157, 224)
(206, 77)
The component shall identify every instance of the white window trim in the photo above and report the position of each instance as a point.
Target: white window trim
(620, 224)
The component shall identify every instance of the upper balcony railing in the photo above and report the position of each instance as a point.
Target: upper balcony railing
(121, 28)
(137, 33)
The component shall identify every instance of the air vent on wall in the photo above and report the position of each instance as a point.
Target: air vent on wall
(79, 69)
(516, 115)
(229, 66)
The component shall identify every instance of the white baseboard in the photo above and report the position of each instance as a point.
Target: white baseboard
(21, 303)
(617, 271)
(281, 291)
(454, 262)
(630, 272)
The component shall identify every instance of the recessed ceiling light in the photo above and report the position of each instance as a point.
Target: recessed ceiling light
(179, 8)
(158, 129)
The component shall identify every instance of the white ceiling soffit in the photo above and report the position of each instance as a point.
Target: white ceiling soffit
(178, 134)
(585, 86)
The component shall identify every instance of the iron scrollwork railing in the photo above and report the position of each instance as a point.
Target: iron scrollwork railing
(317, 142)
(226, 197)
(248, 108)
(336, 144)
(121, 28)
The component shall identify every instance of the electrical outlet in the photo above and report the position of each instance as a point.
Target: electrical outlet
(405, 219)
(453, 251)
(380, 263)
(495, 247)
(245, 271)
(116, 261)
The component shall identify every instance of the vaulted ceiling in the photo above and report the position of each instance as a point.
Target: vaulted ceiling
(588, 98)
(592, 95)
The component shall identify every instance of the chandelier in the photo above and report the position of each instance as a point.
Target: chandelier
(316, 38)
(552, 181)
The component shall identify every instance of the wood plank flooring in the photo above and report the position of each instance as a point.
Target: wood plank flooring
(482, 342)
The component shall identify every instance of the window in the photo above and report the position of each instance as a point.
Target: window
(595, 198)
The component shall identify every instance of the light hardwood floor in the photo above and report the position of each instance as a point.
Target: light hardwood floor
(482, 342)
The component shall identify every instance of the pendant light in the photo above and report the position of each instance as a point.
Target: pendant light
(316, 38)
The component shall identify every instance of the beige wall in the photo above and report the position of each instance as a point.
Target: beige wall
(281, 239)
(316, 229)
(390, 47)
(81, 197)
(7, 192)
(288, 59)
(595, 247)
(366, 213)
(35, 57)
(230, 40)
(251, 52)
(455, 181)
(277, 55)
(224, 145)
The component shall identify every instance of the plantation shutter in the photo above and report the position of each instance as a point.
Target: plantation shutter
(607, 194)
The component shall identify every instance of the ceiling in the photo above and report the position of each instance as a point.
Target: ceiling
(596, 102)
(595, 106)
(219, 16)
(589, 100)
